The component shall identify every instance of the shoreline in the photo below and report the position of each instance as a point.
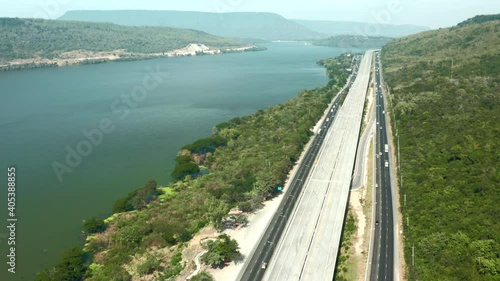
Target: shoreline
(82, 57)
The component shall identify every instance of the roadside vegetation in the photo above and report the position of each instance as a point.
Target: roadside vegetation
(445, 91)
(342, 267)
(202, 276)
(243, 163)
(220, 251)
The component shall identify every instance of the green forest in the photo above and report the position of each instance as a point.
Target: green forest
(445, 96)
(244, 161)
(32, 38)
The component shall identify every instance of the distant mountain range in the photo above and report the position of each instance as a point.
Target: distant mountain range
(262, 26)
(333, 28)
(266, 26)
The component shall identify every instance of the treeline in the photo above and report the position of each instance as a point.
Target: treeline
(75, 262)
(338, 70)
(38, 38)
(445, 91)
(246, 159)
(480, 19)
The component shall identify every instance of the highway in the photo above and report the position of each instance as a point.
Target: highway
(252, 269)
(382, 266)
(308, 248)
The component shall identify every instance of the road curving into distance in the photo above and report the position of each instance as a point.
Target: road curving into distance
(262, 254)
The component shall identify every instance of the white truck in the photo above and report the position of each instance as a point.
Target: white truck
(386, 148)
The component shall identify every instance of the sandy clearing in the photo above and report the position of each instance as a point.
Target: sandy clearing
(355, 202)
(247, 237)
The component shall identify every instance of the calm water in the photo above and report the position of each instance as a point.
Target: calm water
(44, 111)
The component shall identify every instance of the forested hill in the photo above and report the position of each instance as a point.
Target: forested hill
(267, 26)
(32, 38)
(445, 90)
(335, 28)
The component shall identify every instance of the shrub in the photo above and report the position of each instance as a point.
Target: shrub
(182, 159)
(182, 170)
(93, 225)
(150, 265)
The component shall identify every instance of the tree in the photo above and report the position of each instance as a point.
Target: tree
(150, 265)
(169, 238)
(242, 219)
(213, 259)
(203, 276)
(224, 248)
(123, 205)
(145, 195)
(245, 206)
(71, 267)
(182, 159)
(184, 169)
(184, 236)
(227, 247)
(217, 210)
(138, 199)
(93, 225)
(103, 273)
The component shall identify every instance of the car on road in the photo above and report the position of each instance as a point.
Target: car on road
(386, 164)
(376, 222)
(264, 265)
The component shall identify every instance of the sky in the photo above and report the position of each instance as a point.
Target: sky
(430, 13)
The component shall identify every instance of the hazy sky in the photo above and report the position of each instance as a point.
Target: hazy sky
(432, 13)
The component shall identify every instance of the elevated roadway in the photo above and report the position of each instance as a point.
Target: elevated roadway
(309, 246)
(262, 253)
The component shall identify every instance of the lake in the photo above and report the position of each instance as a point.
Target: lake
(83, 136)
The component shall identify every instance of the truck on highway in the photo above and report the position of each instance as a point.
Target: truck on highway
(387, 164)
(386, 148)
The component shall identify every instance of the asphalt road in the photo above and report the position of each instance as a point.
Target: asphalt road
(252, 269)
(382, 267)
